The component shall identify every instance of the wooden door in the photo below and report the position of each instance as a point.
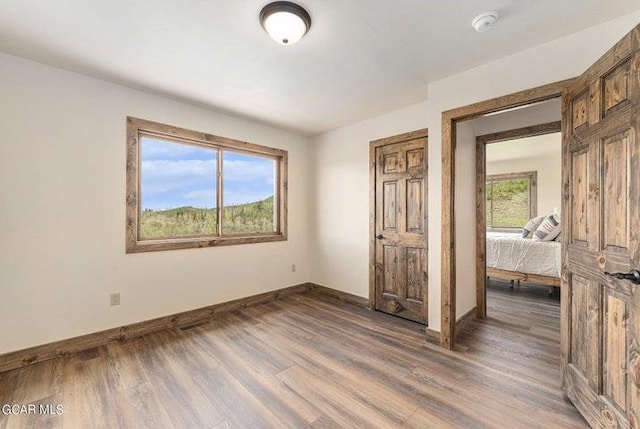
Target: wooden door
(399, 242)
(601, 222)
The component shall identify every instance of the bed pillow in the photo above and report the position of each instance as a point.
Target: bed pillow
(548, 229)
(531, 226)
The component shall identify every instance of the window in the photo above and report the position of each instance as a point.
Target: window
(187, 189)
(511, 199)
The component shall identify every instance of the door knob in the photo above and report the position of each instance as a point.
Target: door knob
(379, 237)
(633, 276)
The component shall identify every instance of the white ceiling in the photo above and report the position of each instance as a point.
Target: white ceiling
(361, 57)
(529, 147)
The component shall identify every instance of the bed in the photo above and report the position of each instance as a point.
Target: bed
(511, 257)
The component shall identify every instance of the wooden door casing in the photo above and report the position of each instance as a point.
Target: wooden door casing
(601, 223)
(400, 224)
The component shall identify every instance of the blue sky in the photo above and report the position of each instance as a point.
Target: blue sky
(177, 175)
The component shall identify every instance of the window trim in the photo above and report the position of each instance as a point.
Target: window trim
(135, 243)
(532, 176)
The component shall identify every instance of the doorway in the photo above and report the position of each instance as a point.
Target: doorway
(450, 119)
(600, 355)
(398, 226)
(529, 164)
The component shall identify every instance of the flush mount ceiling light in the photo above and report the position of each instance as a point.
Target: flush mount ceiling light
(285, 22)
(485, 21)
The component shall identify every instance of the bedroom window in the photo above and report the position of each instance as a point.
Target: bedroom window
(187, 189)
(511, 199)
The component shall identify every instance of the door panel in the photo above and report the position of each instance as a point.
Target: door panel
(580, 197)
(415, 204)
(391, 270)
(615, 318)
(584, 342)
(616, 87)
(615, 195)
(414, 274)
(400, 224)
(390, 204)
(601, 177)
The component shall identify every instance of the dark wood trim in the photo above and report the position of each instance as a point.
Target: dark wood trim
(481, 230)
(66, 347)
(199, 242)
(466, 319)
(373, 145)
(450, 119)
(525, 277)
(411, 135)
(209, 140)
(481, 218)
(447, 249)
(519, 133)
(340, 296)
(565, 292)
(506, 102)
(70, 346)
(134, 242)
(517, 175)
(372, 225)
(432, 336)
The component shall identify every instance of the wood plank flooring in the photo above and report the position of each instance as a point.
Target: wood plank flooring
(309, 361)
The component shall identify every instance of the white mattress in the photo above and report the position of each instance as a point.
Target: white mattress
(509, 251)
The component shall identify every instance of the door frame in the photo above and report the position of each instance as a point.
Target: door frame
(373, 145)
(450, 119)
(481, 213)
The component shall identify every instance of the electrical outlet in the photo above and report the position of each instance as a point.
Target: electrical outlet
(114, 299)
(293, 268)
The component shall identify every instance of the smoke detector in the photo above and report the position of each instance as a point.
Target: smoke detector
(485, 21)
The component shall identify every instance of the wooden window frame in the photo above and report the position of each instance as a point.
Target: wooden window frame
(135, 243)
(532, 176)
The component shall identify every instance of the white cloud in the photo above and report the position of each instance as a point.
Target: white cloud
(156, 148)
(249, 171)
(153, 170)
(167, 184)
(173, 183)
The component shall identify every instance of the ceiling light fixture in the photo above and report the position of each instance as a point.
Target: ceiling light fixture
(485, 21)
(285, 22)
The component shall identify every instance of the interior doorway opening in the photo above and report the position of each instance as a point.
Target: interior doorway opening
(518, 185)
(450, 121)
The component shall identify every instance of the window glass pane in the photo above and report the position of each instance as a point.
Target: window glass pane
(178, 187)
(510, 200)
(248, 194)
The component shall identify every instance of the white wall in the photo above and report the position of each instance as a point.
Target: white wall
(465, 209)
(548, 166)
(62, 170)
(340, 247)
(62, 222)
(340, 198)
